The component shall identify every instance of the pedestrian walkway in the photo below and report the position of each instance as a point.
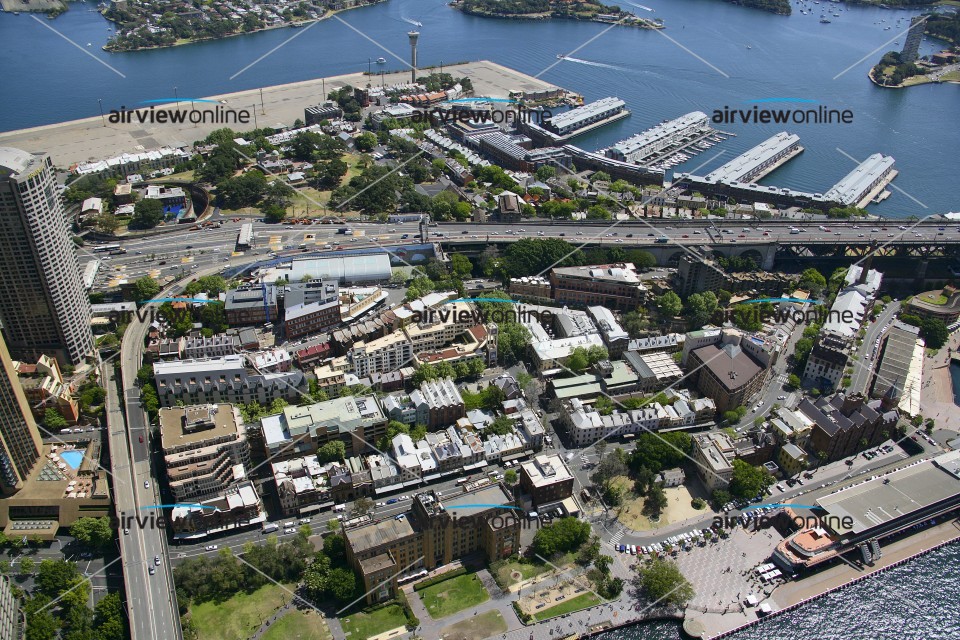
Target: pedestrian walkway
(279, 613)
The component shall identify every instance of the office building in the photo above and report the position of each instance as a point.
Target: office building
(252, 304)
(436, 531)
(546, 479)
(696, 275)
(205, 449)
(302, 484)
(320, 112)
(310, 307)
(11, 617)
(239, 507)
(43, 303)
(357, 421)
(724, 372)
(614, 336)
(614, 286)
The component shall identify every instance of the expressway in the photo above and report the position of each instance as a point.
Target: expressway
(175, 254)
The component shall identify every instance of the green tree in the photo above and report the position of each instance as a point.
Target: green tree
(53, 420)
(145, 288)
(146, 214)
(510, 477)
(813, 281)
(661, 581)
(365, 142)
(669, 304)
(747, 480)
(700, 307)
(93, 532)
(530, 256)
(560, 536)
(501, 426)
(462, 267)
(578, 360)
(332, 451)
(655, 501)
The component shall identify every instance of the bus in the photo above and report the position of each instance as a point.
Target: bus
(106, 247)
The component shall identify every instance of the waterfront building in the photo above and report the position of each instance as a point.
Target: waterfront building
(435, 532)
(43, 303)
(127, 164)
(758, 161)
(867, 512)
(648, 144)
(617, 169)
(571, 121)
(320, 112)
(205, 449)
(927, 305)
(858, 186)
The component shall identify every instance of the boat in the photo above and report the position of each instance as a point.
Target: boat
(749, 47)
(89, 44)
(381, 60)
(824, 21)
(561, 56)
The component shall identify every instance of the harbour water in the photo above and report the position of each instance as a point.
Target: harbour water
(919, 600)
(787, 57)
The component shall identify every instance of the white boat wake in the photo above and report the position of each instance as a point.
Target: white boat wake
(411, 21)
(595, 64)
(640, 6)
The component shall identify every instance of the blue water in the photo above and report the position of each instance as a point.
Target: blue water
(791, 56)
(73, 458)
(919, 600)
(955, 379)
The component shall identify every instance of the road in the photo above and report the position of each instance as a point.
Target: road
(176, 253)
(865, 357)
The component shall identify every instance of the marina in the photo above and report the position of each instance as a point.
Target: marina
(669, 143)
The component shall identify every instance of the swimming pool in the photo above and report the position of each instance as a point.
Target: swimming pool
(73, 458)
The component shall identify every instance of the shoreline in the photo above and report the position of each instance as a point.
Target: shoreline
(306, 24)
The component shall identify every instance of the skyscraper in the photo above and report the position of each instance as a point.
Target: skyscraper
(43, 305)
(911, 46)
(19, 436)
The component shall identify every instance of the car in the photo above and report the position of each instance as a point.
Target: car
(211, 547)
(405, 236)
(400, 517)
(629, 235)
(392, 501)
(464, 232)
(141, 438)
(381, 504)
(146, 484)
(162, 262)
(697, 233)
(781, 397)
(189, 246)
(126, 532)
(153, 570)
(156, 560)
(685, 236)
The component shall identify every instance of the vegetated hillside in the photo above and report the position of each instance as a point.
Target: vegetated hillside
(946, 27)
(781, 7)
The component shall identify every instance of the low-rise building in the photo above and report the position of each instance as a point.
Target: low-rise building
(302, 484)
(202, 448)
(357, 421)
(714, 453)
(725, 373)
(546, 479)
(223, 380)
(792, 459)
(239, 507)
(614, 286)
(844, 425)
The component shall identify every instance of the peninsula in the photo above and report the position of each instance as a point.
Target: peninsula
(548, 9)
(146, 25)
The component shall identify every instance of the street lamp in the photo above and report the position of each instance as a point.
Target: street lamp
(176, 96)
(100, 102)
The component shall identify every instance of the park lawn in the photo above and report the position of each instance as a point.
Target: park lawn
(485, 625)
(455, 594)
(239, 616)
(298, 625)
(952, 76)
(525, 569)
(359, 626)
(573, 604)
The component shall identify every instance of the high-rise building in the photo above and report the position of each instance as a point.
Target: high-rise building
(19, 437)
(911, 46)
(43, 304)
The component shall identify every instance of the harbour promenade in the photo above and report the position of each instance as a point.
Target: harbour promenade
(97, 138)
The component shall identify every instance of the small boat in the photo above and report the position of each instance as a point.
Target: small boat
(749, 47)
(561, 56)
(824, 21)
(381, 60)
(89, 44)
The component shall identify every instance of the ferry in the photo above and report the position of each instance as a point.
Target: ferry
(381, 60)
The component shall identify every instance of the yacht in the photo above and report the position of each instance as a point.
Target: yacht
(381, 60)
(824, 21)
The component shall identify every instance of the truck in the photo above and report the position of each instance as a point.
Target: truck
(662, 240)
(343, 231)
(270, 527)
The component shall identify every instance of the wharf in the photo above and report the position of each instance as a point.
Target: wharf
(878, 190)
(92, 139)
(560, 140)
(776, 165)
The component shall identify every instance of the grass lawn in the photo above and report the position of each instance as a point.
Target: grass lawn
(455, 594)
(482, 626)
(238, 617)
(953, 75)
(357, 626)
(573, 604)
(507, 574)
(299, 625)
